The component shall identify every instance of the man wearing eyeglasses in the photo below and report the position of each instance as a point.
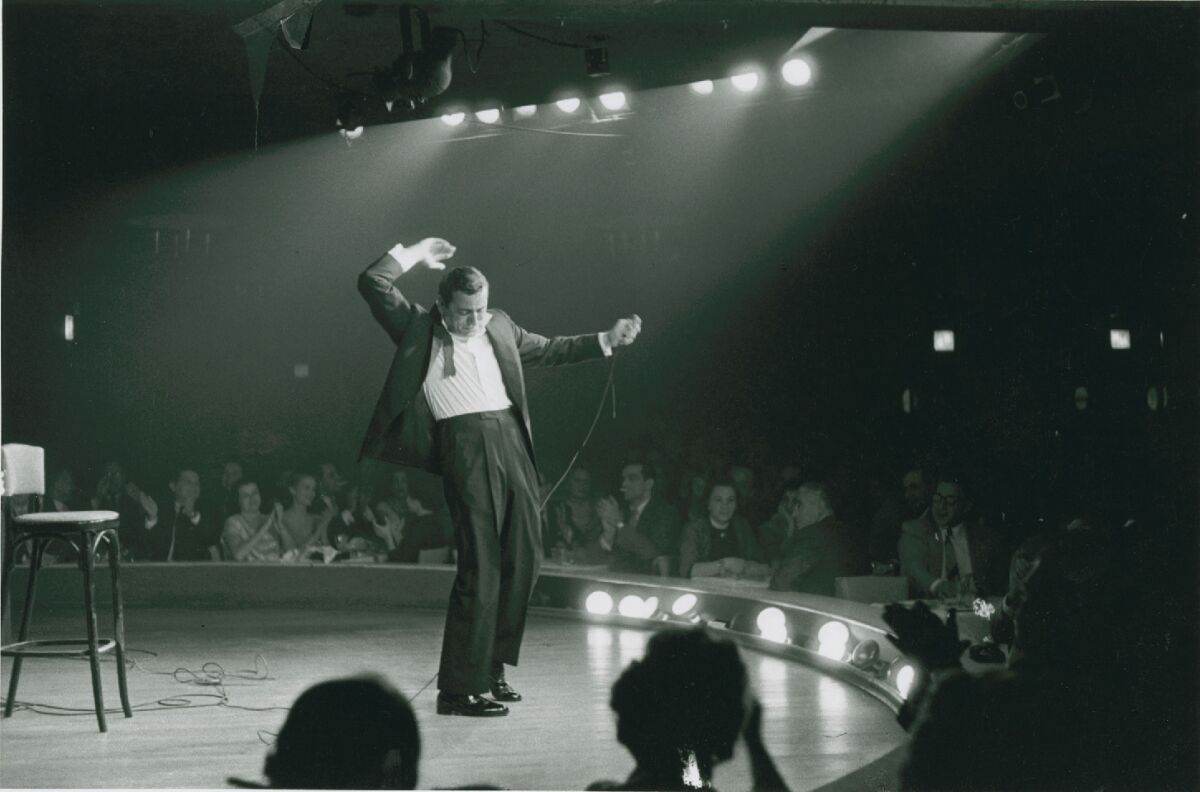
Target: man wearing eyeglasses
(946, 552)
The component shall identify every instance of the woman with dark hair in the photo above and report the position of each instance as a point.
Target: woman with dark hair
(681, 708)
(251, 535)
(721, 543)
(355, 733)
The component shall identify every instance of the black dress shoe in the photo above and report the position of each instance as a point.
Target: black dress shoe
(502, 691)
(472, 706)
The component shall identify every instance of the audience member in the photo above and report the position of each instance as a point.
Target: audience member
(749, 501)
(721, 543)
(60, 497)
(251, 535)
(681, 708)
(225, 500)
(330, 487)
(818, 549)
(948, 552)
(573, 522)
(355, 733)
(646, 533)
(114, 493)
(302, 530)
(1056, 717)
(693, 486)
(884, 536)
(773, 533)
(180, 532)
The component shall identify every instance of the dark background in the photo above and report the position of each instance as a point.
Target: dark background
(790, 258)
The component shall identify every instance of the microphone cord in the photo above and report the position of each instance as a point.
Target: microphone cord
(609, 386)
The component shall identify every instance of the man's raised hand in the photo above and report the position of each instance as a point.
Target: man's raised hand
(625, 331)
(435, 251)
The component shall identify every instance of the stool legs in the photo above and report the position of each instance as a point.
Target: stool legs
(114, 568)
(87, 565)
(35, 561)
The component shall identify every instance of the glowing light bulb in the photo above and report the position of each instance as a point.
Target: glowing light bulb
(702, 88)
(831, 640)
(568, 105)
(770, 619)
(525, 111)
(453, 119)
(489, 116)
(745, 81)
(631, 605)
(599, 602)
(683, 604)
(797, 72)
(904, 680)
(613, 101)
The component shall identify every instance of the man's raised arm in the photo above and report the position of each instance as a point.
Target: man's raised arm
(377, 283)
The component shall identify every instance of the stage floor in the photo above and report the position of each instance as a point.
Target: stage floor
(562, 736)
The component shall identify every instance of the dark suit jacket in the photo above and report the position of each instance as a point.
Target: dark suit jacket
(921, 547)
(696, 544)
(191, 540)
(656, 534)
(813, 556)
(401, 428)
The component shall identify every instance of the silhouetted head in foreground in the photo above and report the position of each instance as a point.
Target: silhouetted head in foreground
(355, 733)
(680, 709)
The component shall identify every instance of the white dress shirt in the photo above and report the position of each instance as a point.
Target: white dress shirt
(477, 385)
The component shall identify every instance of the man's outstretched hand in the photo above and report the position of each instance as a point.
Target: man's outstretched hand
(624, 331)
(434, 252)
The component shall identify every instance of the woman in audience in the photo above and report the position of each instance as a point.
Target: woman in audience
(355, 733)
(301, 530)
(721, 543)
(251, 535)
(680, 710)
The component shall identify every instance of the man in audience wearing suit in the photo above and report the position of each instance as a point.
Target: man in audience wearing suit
(948, 552)
(645, 535)
(454, 404)
(179, 531)
(818, 548)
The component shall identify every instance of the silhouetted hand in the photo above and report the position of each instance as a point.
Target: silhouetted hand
(921, 635)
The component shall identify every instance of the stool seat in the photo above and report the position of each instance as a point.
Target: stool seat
(68, 518)
(67, 648)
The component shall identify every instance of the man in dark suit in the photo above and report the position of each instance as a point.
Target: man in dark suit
(179, 531)
(817, 550)
(454, 404)
(646, 534)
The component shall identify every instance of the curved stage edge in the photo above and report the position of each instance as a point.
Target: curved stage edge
(865, 658)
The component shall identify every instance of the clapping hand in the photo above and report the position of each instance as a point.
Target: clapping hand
(921, 635)
(608, 510)
(435, 251)
(625, 331)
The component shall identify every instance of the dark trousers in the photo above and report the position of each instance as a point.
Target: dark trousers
(491, 489)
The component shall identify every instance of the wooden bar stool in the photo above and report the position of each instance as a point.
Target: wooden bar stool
(83, 530)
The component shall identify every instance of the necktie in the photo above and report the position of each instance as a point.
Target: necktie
(443, 338)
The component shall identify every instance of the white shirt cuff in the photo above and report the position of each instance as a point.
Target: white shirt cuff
(408, 257)
(605, 347)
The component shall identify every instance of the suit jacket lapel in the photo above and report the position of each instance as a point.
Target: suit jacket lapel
(506, 357)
